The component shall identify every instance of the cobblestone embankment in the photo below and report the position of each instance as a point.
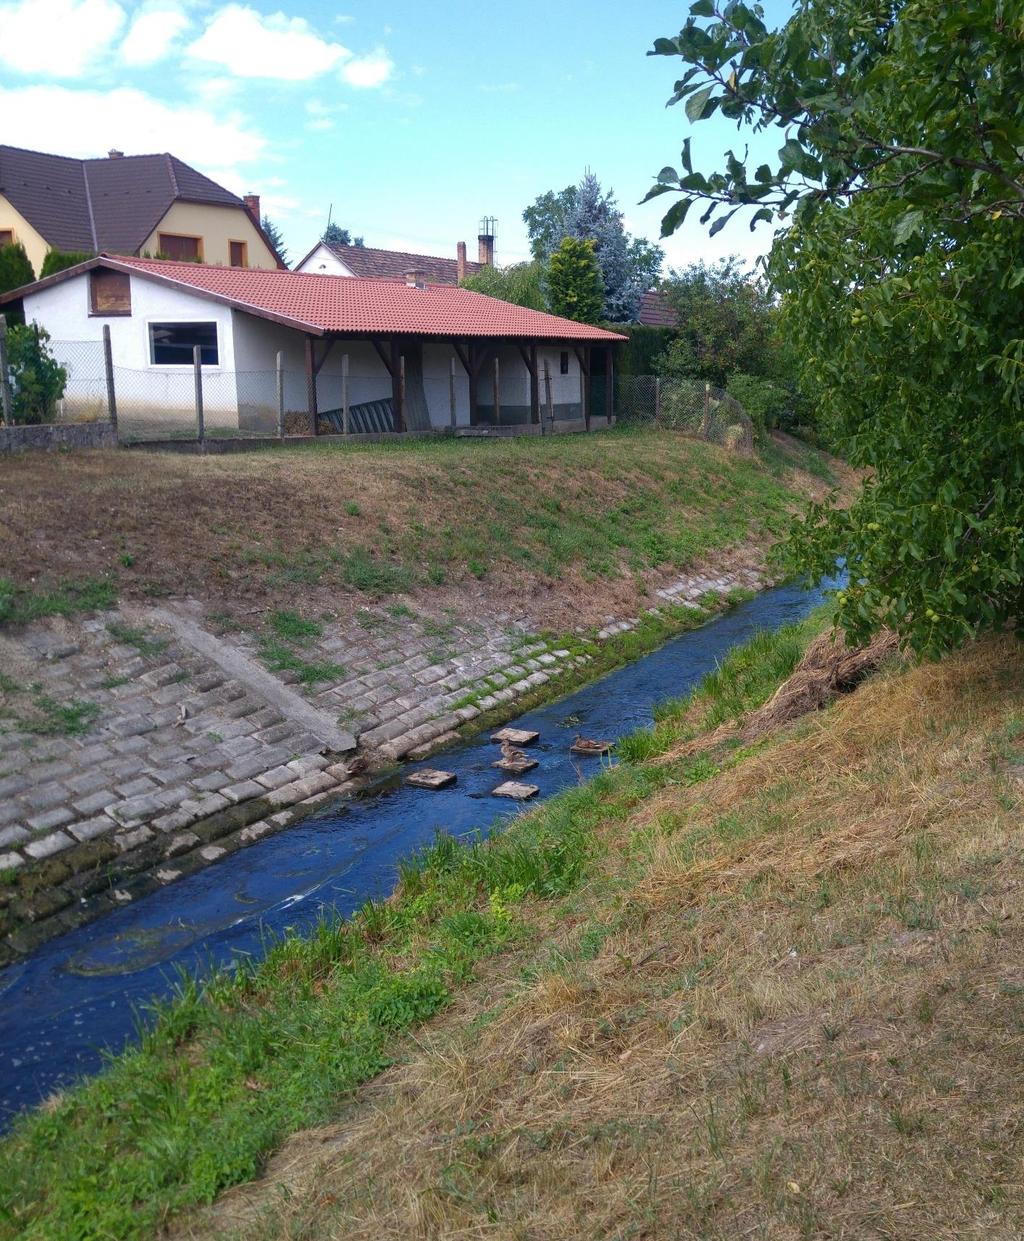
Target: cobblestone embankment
(132, 754)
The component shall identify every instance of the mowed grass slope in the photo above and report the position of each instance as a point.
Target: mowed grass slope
(344, 522)
(786, 1001)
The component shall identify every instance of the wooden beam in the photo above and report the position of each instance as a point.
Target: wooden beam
(383, 355)
(462, 353)
(583, 358)
(473, 371)
(398, 384)
(530, 358)
(609, 383)
(328, 346)
(311, 389)
(586, 388)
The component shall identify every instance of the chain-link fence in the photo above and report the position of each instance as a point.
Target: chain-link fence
(686, 405)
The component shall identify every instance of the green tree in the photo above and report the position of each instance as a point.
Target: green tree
(727, 323)
(520, 283)
(275, 237)
(15, 269)
(545, 220)
(37, 377)
(899, 181)
(61, 260)
(334, 235)
(575, 288)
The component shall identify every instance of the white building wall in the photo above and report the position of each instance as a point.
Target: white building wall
(325, 262)
(143, 391)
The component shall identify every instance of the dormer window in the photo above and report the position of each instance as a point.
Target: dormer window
(110, 292)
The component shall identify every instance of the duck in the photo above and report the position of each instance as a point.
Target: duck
(587, 745)
(511, 753)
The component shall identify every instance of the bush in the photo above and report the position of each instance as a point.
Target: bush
(37, 378)
(60, 260)
(15, 269)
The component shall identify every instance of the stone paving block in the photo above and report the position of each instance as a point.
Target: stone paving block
(11, 861)
(135, 809)
(89, 829)
(49, 819)
(10, 786)
(132, 726)
(243, 791)
(211, 781)
(307, 765)
(274, 734)
(276, 777)
(43, 797)
(133, 788)
(210, 853)
(251, 765)
(56, 842)
(9, 811)
(12, 835)
(136, 744)
(129, 840)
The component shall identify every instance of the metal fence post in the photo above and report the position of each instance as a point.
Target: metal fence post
(108, 369)
(451, 393)
(197, 365)
(280, 395)
(547, 397)
(5, 379)
(344, 394)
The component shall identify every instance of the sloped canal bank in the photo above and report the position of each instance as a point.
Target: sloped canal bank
(77, 995)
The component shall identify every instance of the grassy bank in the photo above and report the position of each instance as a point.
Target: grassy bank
(225, 1076)
(341, 523)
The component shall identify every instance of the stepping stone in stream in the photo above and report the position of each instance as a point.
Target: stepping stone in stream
(516, 791)
(515, 736)
(515, 766)
(428, 778)
(584, 745)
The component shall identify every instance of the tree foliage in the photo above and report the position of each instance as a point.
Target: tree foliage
(334, 235)
(899, 179)
(61, 260)
(575, 288)
(629, 265)
(37, 377)
(15, 269)
(275, 237)
(520, 283)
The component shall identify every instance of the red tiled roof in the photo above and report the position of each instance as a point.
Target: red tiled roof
(324, 305)
(656, 310)
(393, 264)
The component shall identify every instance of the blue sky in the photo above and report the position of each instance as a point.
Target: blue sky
(410, 120)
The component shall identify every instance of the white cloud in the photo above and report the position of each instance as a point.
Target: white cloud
(250, 45)
(152, 35)
(57, 38)
(87, 122)
(368, 71)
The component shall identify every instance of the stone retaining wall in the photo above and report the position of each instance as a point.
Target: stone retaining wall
(49, 437)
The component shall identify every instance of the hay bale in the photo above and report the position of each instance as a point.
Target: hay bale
(829, 667)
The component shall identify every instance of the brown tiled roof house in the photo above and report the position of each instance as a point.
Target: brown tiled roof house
(128, 204)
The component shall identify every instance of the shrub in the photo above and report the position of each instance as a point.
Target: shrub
(60, 260)
(15, 269)
(37, 378)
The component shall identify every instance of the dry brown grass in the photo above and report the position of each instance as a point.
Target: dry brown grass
(805, 1017)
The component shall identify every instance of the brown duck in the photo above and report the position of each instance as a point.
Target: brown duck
(587, 745)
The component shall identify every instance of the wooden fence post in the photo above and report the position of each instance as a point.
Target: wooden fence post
(197, 366)
(705, 426)
(5, 378)
(280, 395)
(452, 409)
(344, 394)
(657, 402)
(108, 370)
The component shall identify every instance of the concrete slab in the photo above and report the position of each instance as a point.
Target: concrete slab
(428, 778)
(516, 791)
(515, 736)
(515, 766)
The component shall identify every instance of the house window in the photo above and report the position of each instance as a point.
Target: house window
(239, 251)
(184, 249)
(110, 292)
(6, 236)
(563, 362)
(171, 344)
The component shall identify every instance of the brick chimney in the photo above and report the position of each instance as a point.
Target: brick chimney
(485, 241)
(252, 203)
(460, 250)
(415, 278)
(114, 153)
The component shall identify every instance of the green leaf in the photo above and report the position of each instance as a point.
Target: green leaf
(674, 217)
(695, 104)
(702, 8)
(687, 164)
(908, 226)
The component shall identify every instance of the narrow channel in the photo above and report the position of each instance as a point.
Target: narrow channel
(79, 996)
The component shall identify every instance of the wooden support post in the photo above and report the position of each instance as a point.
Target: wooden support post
(586, 388)
(609, 384)
(497, 391)
(705, 426)
(474, 416)
(547, 397)
(657, 401)
(452, 408)
(344, 394)
(398, 384)
(311, 406)
(6, 402)
(279, 366)
(197, 367)
(534, 387)
(108, 371)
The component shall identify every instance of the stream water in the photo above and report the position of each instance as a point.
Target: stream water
(79, 996)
